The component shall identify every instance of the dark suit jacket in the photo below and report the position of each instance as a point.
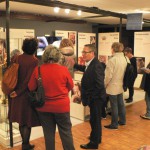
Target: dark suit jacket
(92, 83)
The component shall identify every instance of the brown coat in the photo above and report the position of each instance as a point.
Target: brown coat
(20, 110)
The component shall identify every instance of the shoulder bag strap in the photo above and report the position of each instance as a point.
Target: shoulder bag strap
(39, 76)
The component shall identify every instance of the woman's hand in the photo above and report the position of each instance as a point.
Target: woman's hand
(13, 94)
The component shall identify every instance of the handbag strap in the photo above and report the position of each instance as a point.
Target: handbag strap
(39, 76)
(39, 72)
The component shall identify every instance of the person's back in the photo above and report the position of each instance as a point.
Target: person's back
(128, 52)
(57, 83)
(114, 73)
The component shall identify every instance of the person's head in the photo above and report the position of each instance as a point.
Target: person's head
(128, 52)
(117, 47)
(14, 53)
(66, 43)
(89, 52)
(30, 46)
(51, 55)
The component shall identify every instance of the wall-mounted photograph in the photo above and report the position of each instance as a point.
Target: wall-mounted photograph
(140, 61)
(76, 93)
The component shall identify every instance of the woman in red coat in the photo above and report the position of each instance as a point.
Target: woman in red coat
(20, 110)
(57, 83)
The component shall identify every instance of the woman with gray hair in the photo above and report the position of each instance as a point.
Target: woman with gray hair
(57, 82)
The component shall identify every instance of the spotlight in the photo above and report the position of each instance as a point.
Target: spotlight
(56, 9)
(67, 11)
(79, 12)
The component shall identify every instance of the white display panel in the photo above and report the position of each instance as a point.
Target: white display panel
(84, 38)
(105, 40)
(141, 49)
(17, 36)
(142, 45)
(72, 35)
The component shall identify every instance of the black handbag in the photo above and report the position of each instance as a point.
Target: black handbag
(37, 97)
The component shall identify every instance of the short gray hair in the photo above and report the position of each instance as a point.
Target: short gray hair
(92, 48)
(15, 52)
(51, 54)
(117, 47)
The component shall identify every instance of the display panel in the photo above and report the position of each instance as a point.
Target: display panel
(44, 41)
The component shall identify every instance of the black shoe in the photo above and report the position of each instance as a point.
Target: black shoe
(121, 124)
(27, 147)
(89, 139)
(129, 100)
(89, 145)
(111, 127)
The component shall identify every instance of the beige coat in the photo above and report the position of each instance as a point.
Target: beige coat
(114, 74)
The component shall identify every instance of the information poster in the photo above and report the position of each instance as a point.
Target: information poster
(72, 35)
(141, 50)
(142, 45)
(84, 38)
(105, 40)
(17, 36)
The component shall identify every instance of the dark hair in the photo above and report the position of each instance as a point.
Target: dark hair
(30, 46)
(92, 48)
(128, 50)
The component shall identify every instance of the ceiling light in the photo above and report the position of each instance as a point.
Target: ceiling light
(56, 9)
(79, 12)
(67, 11)
(142, 11)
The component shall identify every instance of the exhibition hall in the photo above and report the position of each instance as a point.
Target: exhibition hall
(94, 22)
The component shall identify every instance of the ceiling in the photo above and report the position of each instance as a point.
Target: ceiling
(94, 11)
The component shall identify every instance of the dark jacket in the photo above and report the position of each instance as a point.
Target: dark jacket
(145, 84)
(92, 83)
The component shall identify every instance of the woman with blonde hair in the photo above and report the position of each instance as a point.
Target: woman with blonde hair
(67, 49)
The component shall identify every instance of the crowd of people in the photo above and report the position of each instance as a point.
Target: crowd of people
(99, 83)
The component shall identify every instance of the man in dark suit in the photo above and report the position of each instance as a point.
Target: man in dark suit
(93, 93)
(128, 53)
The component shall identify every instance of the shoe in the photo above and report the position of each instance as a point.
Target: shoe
(111, 127)
(27, 147)
(121, 124)
(89, 139)
(89, 145)
(145, 117)
(126, 99)
(129, 100)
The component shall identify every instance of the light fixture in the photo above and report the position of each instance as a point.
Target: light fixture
(56, 9)
(79, 12)
(67, 11)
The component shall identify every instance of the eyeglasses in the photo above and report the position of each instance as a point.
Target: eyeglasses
(84, 52)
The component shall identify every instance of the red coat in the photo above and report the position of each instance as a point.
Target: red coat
(20, 110)
(57, 83)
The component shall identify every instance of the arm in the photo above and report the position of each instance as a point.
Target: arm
(69, 81)
(79, 67)
(32, 85)
(108, 73)
(99, 80)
